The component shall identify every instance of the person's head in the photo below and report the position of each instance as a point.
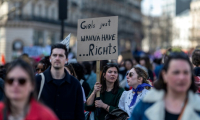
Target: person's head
(169, 51)
(137, 76)
(77, 70)
(88, 67)
(128, 64)
(176, 74)
(145, 61)
(58, 56)
(26, 58)
(42, 65)
(110, 75)
(72, 69)
(19, 82)
(196, 57)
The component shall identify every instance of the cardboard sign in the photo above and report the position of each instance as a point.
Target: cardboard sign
(97, 39)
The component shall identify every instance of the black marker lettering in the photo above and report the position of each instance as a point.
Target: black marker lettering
(96, 51)
(82, 38)
(114, 49)
(109, 22)
(103, 38)
(99, 50)
(98, 38)
(110, 48)
(82, 26)
(113, 37)
(91, 47)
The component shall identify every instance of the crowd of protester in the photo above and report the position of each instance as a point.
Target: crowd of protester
(141, 88)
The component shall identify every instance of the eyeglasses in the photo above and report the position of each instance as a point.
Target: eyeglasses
(130, 74)
(21, 81)
(37, 69)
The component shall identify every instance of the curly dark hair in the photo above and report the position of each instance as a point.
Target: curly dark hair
(159, 84)
(196, 57)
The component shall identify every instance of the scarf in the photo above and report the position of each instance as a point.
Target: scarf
(138, 89)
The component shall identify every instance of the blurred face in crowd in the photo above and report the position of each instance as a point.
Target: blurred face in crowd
(18, 85)
(178, 76)
(132, 78)
(142, 62)
(128, 65)
(58, 58)
(40, 68)
(111, 75)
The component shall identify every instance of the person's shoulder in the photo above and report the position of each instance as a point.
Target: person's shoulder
(120, 90)
(74, 82)
(125, 93)
(44, 112)
(1, 82)
(146, 90)
(37, 77)
(1, 109)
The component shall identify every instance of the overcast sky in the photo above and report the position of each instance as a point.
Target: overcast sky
(156, 11)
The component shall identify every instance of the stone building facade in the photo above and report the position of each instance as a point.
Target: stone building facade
(35, 22)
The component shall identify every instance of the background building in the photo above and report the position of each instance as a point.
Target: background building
(173, 26)
(195, 26)
(35, 22)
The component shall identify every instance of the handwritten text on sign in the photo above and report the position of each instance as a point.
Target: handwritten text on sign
(97, 39)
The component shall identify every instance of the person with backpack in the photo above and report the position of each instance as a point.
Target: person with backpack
(61, 92)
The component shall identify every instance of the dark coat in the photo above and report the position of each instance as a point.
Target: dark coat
(66, 100)
(1, 89)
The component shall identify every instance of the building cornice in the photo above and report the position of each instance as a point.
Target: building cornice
(35, 25)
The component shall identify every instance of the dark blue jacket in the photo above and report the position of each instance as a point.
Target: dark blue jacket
(66, 100)
(1, 89)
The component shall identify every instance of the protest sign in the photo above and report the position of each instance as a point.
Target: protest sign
(66, 41)
(97, 39)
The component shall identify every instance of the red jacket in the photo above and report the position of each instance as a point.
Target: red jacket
(37, 112)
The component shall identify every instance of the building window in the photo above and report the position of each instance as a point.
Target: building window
(46, 12)
(40, 10)
(53, 13)
(38, 38)
(33, 9)
(51, 39)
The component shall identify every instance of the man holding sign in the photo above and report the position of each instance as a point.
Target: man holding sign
(97, 40)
